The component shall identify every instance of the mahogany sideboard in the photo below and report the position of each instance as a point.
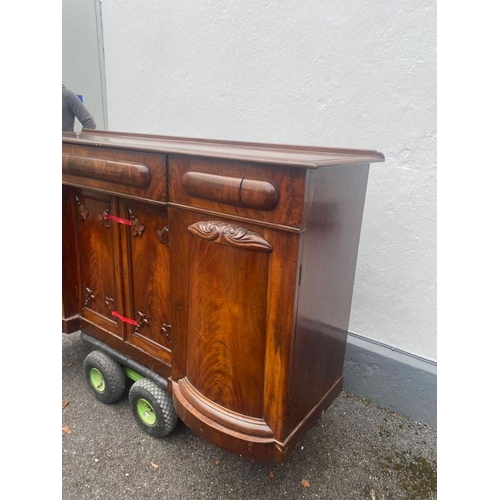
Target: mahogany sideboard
(224, 268)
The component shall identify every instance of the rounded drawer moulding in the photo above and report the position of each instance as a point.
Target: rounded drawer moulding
(262, 194)
(132, 174)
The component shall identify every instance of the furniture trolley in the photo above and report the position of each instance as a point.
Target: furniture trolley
(217, 275)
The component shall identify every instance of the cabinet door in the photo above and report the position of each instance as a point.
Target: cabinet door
(233, 289)
(227, 320)
(99, 260)
(145, 253)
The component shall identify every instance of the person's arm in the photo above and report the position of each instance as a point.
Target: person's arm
(80, 111)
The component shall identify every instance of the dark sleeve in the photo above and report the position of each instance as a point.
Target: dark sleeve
(80, 111)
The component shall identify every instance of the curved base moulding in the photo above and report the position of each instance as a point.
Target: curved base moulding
(236, 433)
(235, 421)
(233, 432)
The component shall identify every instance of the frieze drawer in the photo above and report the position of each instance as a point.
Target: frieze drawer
(242, 189)
(127, 173)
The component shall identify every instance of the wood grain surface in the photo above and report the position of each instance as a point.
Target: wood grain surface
(226, 267)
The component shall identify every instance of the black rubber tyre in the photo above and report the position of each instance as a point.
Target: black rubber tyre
(105, 377)
(152, 408)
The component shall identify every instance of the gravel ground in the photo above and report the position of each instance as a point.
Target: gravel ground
(356, 450)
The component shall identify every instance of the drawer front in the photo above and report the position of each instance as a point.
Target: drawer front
(269, 194)
(127, 173)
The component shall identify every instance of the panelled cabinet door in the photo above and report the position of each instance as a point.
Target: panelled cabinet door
(227, 315)
(146, 264)
(232, 351)
(98, 251)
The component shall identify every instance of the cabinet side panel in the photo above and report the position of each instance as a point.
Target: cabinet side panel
(329, 253)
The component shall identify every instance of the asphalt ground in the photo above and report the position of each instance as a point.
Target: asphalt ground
(356, 450)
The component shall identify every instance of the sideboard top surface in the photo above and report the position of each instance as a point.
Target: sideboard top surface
(278, 154)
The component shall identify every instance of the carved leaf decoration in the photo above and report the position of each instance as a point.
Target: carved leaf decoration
(227, 234)
(84, 213)
(141, 321)
(163, 234)
(104, 222)
(137, 227)
(166, 329)
(109, 303)
(89, 297)
(207, 230)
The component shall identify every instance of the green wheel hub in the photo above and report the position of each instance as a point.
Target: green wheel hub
(97, 380)
(146, 412)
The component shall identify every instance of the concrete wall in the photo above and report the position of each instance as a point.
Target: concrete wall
(332, 73)
(83, 56)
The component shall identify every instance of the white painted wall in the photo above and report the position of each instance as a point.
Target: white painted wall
(322, 72)
(82, 56)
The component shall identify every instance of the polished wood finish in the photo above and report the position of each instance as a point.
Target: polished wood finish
(133, 174)
(250, 200)
(269, 154)
(250, 193)
(97, 263)
(127, 173)
(147, 280)
(255, 193)
(71, 287)
(329, 249)
(225, 267)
